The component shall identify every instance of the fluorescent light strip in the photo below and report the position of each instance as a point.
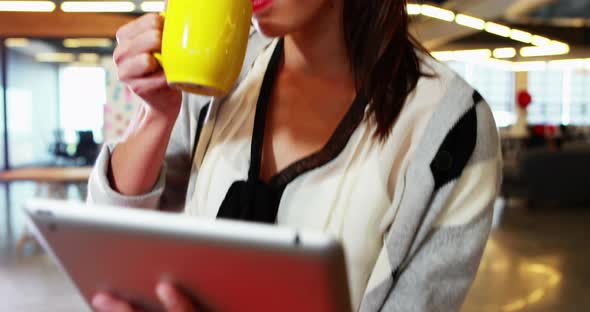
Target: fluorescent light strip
(559, 44)
(462, 55)
(540, 41)
(98, 6)
(89, 58)
(470, 21)
(498, 30)
(537, 65)
(17, 42)
(474, 54)
(443, 56)
(521, 36)
(413, 9)
(87, 42)
(55, 57)
(491, 62)
(152, 6)
(542, 45)
(553, 49)
(27, 6)
(504, 53)
(435, 12)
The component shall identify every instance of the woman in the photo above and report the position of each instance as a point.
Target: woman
(343, 125)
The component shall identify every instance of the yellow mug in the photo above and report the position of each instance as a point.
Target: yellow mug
(204, 44)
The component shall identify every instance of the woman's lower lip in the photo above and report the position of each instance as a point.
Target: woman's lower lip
(259, 5)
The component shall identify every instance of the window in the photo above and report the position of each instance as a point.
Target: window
(20, 126)
(31, 109)
(3, 51)
(496, 85)
(546, 88)
(459, 67)
(5, 224)
(579, 98)
(82, 99)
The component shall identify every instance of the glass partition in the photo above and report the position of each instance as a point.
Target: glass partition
(55, 90)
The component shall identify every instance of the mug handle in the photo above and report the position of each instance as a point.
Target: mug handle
(158, 55)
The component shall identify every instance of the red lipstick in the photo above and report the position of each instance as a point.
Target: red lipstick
(259, 5)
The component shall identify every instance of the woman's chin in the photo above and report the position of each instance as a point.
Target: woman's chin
(269, 29)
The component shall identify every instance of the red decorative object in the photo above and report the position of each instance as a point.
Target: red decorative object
(524, 99)
(539, 130)
(550, 130)
(547, 131)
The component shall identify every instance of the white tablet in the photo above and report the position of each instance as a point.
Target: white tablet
(221, 265)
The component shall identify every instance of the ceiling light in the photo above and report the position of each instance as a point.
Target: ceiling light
(555, 48)
(27, 6)
(413, 9)
(559, 44)
(503, 53)
(521, 36)
(474, 54)
(529, 66)
(158, 6)
(89, 58)
(490, 62)
(55, 57)
(540, 40)
(444, 55)
(98, 6)
(442, 14)
(497, 29)
(542, 45)
(462, 55)
(88, 42)
(470, 21)
(17, 42)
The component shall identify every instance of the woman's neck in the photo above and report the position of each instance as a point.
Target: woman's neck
(318, 49)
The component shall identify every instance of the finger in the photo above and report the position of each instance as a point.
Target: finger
(144, 87)
(137, 66)
(147, 42)
(105, 303)
(140, 25)
(172, 299)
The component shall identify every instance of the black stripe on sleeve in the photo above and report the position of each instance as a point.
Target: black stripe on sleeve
(457, 148)
(477, 97)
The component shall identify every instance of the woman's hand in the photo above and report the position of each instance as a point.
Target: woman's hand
(171, 298)
(137, 161)
(138, 68)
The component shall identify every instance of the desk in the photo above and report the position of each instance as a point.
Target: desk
(55, 178)
(53, 181)
(47, 175)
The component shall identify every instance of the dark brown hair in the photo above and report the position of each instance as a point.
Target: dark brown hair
(383, 57)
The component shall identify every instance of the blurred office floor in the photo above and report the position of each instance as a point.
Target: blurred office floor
(535, 261)
(31, 281)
